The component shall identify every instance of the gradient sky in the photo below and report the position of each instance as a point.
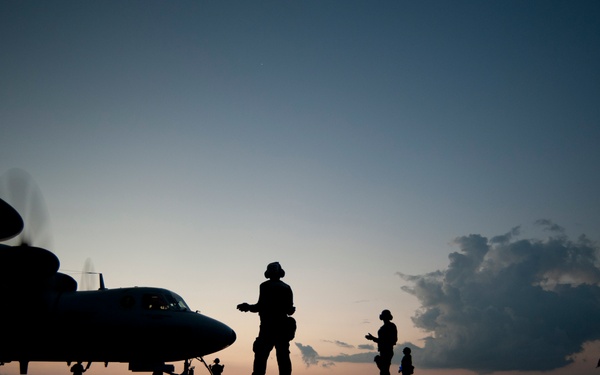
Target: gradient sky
(435, 158)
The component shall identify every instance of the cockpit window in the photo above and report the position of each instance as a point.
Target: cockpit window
(177, 303)
(164, 302)
(154, 302)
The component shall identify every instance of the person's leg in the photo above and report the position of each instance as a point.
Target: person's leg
(385, 361)
(261, 348)
(283, 357)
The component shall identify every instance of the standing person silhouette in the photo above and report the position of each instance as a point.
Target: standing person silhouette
(274, 307)
(406, 366)
(387, 336)
(216, 368)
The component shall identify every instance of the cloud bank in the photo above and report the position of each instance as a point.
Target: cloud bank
(310, 357)
(505, 304)
(341, 344)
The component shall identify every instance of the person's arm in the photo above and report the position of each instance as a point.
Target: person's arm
(372, 338)
(245, 307)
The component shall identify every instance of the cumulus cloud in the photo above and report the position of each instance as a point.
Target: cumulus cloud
(507, 304)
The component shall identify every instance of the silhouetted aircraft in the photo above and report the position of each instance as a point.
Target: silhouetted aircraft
(43, 317)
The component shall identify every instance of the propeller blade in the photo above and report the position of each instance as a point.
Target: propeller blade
(19, 190)
(12, 222)
(88, 276)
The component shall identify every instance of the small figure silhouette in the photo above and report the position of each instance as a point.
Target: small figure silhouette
(387, 336)
(77, 369)
(406, 366)
(216, 368)
(277, 328)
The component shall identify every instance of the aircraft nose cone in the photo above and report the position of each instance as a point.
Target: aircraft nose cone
(232, 337)
(213, 336)
(226, 336)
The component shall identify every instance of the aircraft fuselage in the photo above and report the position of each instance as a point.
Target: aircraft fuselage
(142, 326)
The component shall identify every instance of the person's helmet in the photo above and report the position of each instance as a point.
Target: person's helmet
(386, 315)
(217, 360)
(406, 350)
(274, 270)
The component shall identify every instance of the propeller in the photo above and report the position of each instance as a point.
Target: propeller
(12, 222)
(88, 278)
(23, 206)
(19, 190)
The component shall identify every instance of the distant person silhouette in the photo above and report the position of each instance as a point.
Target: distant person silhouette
(216, 368)
(386, 339)
(77, 369)
(277, 328)
(406, 366)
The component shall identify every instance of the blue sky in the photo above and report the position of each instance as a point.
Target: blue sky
(182, 143)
